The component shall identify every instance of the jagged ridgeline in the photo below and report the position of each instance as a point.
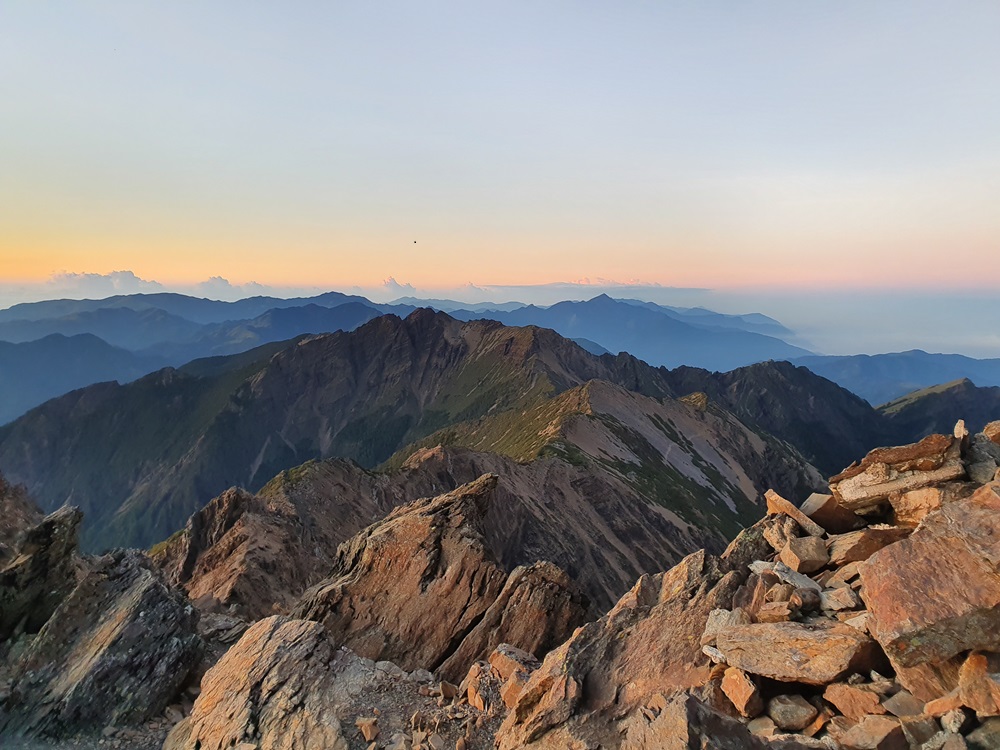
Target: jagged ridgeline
(139, 459)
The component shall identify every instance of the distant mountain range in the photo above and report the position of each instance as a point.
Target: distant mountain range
(140, 458)
(149, 331)
(172, 329)
(36, 371)
(881, 378)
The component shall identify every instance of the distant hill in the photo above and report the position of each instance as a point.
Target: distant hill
(123, 327)
(881, 378)
(32, 373)
(938, 408)
(649, 333)
(277, 324)
(193, 309)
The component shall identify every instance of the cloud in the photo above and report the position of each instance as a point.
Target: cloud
(219, 287)
(100, 284)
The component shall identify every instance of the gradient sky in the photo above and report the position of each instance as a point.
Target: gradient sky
(713, 144)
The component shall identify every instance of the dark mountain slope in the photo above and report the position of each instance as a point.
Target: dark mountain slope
(36, 371)
(827, 424)
(140, 458)
(277, 324)
(881, 378)
(938, 408)
(122, 327)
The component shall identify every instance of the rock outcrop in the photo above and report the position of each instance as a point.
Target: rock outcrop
(17, 514)
(888, 640)
(40, 573)
(648, 644)
(536, 609)
(115, 652)
(422, 589)
(286, 686)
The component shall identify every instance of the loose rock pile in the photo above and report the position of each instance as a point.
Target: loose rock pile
(875, 624)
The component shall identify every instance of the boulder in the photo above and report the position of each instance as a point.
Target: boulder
(858, 546)
(827, 511)
(816, 653)
(791, 712)
(875, 733)
(884, 471)
(853, 701)
(39, 574)
(910, 508)
(409, 587)
(937, 593)
(777, 504)
(805, 554)
(742, 692)
(115, 652)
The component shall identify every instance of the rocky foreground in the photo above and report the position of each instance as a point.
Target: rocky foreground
(867, 618)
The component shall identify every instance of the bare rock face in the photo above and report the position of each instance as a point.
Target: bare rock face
(17, 515)
(408, 588)
(685, 723)
(115, 651)
(39, 574)
(537, 608)
(422, 589)
(287, 686)
(937, 593)
(648, 644)
(271, 690)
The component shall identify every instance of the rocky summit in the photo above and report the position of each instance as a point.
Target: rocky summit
(865, 616)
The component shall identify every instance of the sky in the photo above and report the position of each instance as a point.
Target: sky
(773, 154)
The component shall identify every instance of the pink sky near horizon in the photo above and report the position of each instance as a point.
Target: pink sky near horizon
(797, 146)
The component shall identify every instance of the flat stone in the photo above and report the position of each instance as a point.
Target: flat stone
(775, 612)
(741, 690)
(852, 701)
(777, 504)
(903, 704)
(816, 654)
(944, 704)
(884, 471)
(720, 619)
(992, 431)
(763, 726)
(827, 511)
(857, 546)
(918, 729)
(875, 733)
(937, 592)
(956, 721)
(837, 600)
(986, 737)
(791, 712)
(910, 508)
(805, 554)
(786, 574)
